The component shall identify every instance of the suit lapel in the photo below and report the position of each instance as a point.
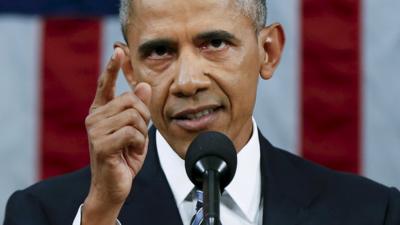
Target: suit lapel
(287, 191)
(151, 201)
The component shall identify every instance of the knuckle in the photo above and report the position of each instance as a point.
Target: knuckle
(126, 100)
(141, 111)
(133, 137)
(93, 134)
(134, 115)
(137, 140)
(147, 115)
(92, 129)
(89, 121)
(129, 132)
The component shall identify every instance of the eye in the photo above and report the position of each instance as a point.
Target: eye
(216, 45)
(159, 52)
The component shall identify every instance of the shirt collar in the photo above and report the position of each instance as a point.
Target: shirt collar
(174, 169)
(245, 188)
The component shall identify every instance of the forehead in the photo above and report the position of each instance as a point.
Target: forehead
(164, 7)
(154, 18)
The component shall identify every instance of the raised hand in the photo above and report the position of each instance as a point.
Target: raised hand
(117, 132)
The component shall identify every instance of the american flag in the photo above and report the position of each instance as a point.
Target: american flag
(332, 100)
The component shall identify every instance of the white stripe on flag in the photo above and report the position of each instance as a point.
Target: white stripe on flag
(19, 94)
(381, 138)
(277, 108)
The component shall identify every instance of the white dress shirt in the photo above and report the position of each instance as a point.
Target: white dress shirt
(241, 202)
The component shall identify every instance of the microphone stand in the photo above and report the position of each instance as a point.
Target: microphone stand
(212, 168)
(212, 196)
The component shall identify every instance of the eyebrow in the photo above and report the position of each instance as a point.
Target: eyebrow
(215, 34)
(148, 46)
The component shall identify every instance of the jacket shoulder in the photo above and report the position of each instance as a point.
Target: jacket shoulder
(335, 181)
(355, 199)
(52, 201)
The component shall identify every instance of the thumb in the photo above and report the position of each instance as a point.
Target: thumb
(143, 91)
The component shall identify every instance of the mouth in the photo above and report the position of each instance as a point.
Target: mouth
(197, 119)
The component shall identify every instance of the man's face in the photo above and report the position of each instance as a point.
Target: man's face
(202, 60)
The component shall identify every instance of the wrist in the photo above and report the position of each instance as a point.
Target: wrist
(99, 212)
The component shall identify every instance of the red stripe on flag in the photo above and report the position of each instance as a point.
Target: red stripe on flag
(330, 86)
(70, 66)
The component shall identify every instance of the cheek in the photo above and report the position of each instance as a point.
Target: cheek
(241, 67)
(243, 98)
(241, 84)
(239, 73)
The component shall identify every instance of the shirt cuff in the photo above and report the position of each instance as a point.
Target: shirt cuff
(78, 217)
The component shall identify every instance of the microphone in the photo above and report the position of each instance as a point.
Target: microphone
(210, 164)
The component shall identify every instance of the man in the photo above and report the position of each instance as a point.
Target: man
(194, 66)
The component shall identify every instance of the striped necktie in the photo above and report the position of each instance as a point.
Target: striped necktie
(199, 216)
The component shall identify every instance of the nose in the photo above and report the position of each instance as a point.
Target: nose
(190, 77)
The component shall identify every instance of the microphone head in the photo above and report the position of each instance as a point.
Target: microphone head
(211, 144)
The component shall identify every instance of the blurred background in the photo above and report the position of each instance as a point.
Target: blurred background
(334, 99)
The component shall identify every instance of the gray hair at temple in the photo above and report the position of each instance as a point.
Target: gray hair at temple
(255, 9)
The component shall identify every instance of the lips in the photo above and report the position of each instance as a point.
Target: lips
(194, 119)
(194, 115)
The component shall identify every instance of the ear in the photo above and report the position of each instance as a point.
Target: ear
(271, 41)
(126, 66)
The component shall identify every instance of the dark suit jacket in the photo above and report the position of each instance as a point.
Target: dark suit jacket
(295, 192)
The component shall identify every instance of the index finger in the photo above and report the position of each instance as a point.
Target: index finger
(106, 84)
